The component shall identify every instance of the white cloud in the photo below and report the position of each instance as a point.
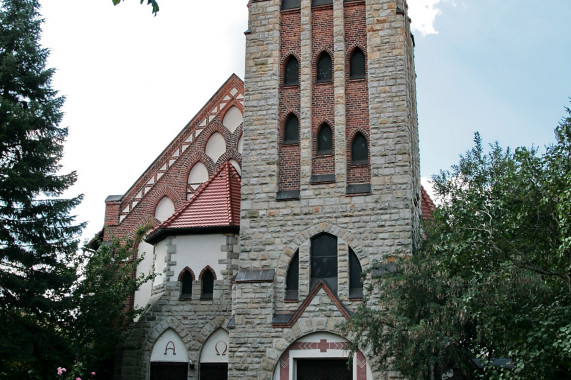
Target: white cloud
(423, 13)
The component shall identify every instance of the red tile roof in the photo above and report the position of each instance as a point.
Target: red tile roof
(426, 204)
(216, 203)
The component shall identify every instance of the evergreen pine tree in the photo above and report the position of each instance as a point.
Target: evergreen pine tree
(38, 236)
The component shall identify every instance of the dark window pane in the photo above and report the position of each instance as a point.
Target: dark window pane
(292, 279)
(291, 130)
(291, 4)
(214, 371)
(291, 72)
(324, 260)
(357, 64)
(315, 3)
(355, 272)
(207, 284)
(324, 71)
(324, 140)
(359, 150)
(187, 284)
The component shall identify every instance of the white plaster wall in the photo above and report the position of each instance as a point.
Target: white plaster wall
(160, 264)
(164, 209)
(215, 147)
(232, 119)
(198, 175)
(215, 349)
(145, 267)
(163, 348)
(198, 251)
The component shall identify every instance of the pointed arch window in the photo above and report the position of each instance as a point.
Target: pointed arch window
(324, 68)
(355, 272)
(292, 278)
(291, 130)
(357, 64)
(291, 72)
(325, 139)
(359, 150)
(186, 289)
(207, 282)
(324, 260)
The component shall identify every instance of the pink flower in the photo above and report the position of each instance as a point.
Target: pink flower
(78, 378)
(92, 373)
(60, 370)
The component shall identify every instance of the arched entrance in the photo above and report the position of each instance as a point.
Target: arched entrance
(320, 356)
(214, 357)
(169, 358)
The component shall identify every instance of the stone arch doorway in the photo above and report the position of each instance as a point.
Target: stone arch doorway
(169, 358)
(214, 357)
(321, 356)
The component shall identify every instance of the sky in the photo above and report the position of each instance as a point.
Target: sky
(132, 80)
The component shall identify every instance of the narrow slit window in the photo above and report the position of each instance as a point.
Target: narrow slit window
(324, 68)
(186, 291)
(207, 285)
(355, 273)
(325, 140)
(292, 279)
(357, 64)
(291, 72)
(291, 130)
(359, 150)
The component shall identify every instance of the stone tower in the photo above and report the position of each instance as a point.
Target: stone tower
(330, 177)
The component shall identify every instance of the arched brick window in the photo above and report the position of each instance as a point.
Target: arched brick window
(359, 150)
(324, 68)
(291, 71)
(357, 64)
(207, 277)
(355, 272)
(324, 260)
(292, 278)
(291, 130)
(324, 139)
(186, 277)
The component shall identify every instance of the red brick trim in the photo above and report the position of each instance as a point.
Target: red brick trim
(207, 268)
(182, 272)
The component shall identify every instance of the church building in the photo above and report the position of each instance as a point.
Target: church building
(272, 201)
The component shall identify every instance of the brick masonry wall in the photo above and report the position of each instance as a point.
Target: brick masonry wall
(289, 158)
(323, 104)
(169, 172)
(374, 225)
(357, 96)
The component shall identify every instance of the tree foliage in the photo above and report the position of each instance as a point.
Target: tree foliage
(153, 3)
(491, 280)
(101, 299)
(38, 236)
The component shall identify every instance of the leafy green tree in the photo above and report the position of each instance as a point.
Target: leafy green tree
(491, 280)
(153, 3)
(103, 312)
(38, 236)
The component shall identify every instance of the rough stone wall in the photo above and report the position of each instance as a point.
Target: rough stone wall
(374, 225)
